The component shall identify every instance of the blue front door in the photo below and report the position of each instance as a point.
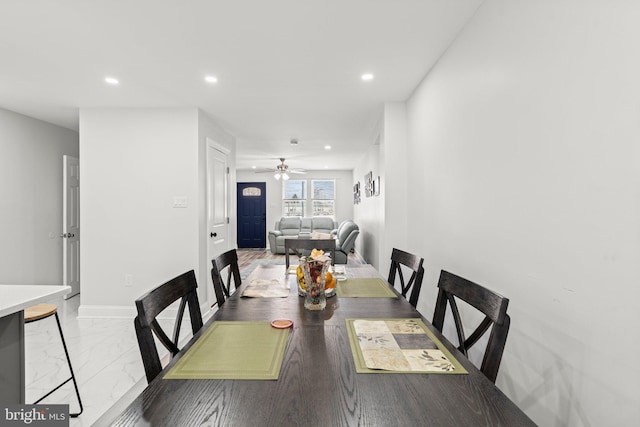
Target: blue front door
(252, 215)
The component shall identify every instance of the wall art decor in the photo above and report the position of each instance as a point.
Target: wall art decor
(368, 184)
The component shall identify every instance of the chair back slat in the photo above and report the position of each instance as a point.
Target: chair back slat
(227, 260)
(412, 262)
(457, 320)
(178, 323)
(491, 304)
(171, 345)
(154, 302)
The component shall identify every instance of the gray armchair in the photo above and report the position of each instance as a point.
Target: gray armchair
(286, 228)
(346, 235)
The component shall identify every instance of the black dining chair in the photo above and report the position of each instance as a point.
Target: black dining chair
(229, 261)
(154, 302)
(413, 263)
(326, 245)
(491, 304)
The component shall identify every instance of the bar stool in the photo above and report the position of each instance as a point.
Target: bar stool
(42, 311)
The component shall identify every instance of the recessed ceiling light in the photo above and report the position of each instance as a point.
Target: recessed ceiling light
(327, 147)
(112, 81)
(253, 167)
(326, 167)
(367, 77)
(211, 79)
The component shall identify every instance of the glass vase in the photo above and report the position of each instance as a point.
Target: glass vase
(315, 275)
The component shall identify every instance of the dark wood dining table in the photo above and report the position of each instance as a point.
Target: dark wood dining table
(318, 384)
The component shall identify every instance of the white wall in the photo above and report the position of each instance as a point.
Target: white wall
(134, 162)
(395, 195)
(208, 129)
(344, 191)
(369, 214)
(383, 219)
(31, 204)
(523, 157)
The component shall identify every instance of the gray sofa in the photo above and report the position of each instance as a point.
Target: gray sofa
(303, 228)
(294, 227)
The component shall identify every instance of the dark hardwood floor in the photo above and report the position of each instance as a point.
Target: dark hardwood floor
(247, 256)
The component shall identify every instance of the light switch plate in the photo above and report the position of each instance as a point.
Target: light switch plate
(179, 202)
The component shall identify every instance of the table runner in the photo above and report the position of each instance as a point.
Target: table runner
(267, 272)
(265, 288)
(266, 283)
(234, 350)
(399, 346)
(364, 288)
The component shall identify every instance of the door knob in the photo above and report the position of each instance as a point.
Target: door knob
(213, 234)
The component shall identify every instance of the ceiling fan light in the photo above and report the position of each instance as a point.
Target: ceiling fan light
(277, 175)
(285, 176)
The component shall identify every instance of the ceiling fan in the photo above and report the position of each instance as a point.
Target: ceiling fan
(282, 170)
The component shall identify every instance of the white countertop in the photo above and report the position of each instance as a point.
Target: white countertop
(14, 298)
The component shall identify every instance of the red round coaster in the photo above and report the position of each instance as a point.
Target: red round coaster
(282, 323)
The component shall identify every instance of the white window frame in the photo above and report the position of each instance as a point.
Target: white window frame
(302, 199)
(323, 199)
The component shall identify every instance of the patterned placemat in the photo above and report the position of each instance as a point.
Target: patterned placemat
(399, 346)
(234, 350)
(364, 288)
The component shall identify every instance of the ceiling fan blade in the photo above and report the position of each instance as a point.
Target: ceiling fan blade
(282, 169)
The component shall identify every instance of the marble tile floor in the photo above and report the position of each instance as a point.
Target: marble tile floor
(104, 354)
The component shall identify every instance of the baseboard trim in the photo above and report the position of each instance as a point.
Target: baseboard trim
(125, 312)
(106, 312)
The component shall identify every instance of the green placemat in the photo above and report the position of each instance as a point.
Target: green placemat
(364, 288)
(234, 350)
(406, 346)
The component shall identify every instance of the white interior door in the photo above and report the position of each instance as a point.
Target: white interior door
(71, 225)
(217, 204)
